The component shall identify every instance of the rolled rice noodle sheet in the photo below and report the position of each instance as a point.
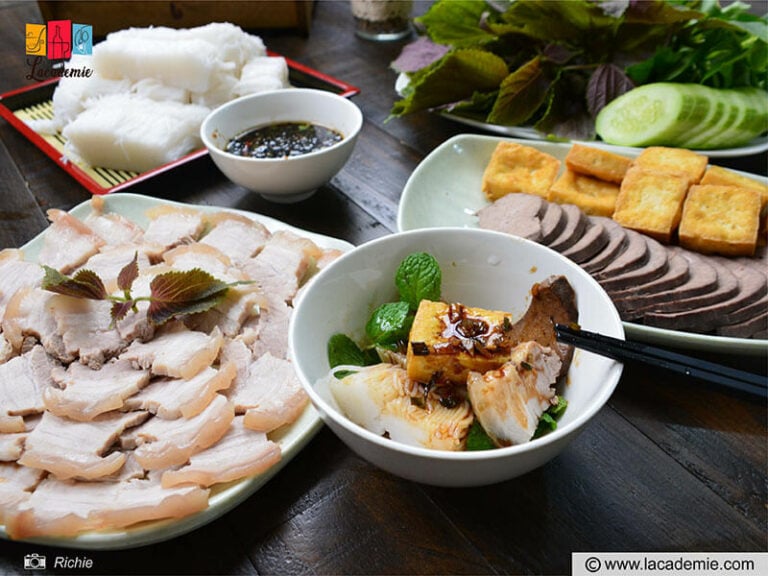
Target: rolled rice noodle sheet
(263, 74)
(221, 90)
(156, 90)
(127, 132)
(189, 63)
(73, 92)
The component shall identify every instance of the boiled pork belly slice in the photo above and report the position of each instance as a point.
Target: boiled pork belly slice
(206, 258)
(240, 453)
(6, 350)
(166, 443)
(240, 305)
(283, 265)
(176, 351)
(68, 242)
(30, 314)
(170, 226)
(65, 508)
(11, 446)
(237, 236)
(509, 401)
(269, 394)
(379, 398)
(86, 329)
(84, 393)
(115, 229)
(111, 259)
(172, 398)
(23, 380)
(16, 273)
(71, 449)
(268, 332)
(16, 485)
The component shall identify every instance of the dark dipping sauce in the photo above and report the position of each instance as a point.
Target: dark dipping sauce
(282, 140)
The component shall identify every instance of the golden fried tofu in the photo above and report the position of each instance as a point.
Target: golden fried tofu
(721, 220)
(449, 340)
(598, 163)
(593, 196)
(651, 202)
(518, 168)
(663, 159)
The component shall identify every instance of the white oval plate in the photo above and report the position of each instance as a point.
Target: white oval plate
(223, 497)
(445, 190)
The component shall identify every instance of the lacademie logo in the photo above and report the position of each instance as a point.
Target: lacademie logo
(53, 43)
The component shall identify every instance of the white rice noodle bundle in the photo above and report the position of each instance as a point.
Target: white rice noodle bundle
(262, 74)
(198, 67)
(129, 132)
(188, 64)
(155, 90)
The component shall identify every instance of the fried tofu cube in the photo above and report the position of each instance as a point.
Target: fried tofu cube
(518, 168)
(448, 340)
(598, 163)
(721, 220)
(651, 202)
(663, 159)
(722, 176)
(593, 196)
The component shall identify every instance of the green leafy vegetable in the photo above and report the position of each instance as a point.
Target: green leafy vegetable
(418, 278)
(478, 439)
(187, 292)
(555, 65)
(548, 420)
(342, 350)
(389, 323)
(84, 284)
(171, 294)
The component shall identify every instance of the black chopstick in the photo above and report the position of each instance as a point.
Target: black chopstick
(623, 350)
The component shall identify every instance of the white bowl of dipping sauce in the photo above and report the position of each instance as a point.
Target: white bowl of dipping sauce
(319, 130)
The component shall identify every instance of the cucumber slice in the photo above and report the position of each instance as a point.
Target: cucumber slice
(685, 115)
(653, 114)
(751, 121)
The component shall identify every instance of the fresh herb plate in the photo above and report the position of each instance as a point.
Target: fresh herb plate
(224, 497)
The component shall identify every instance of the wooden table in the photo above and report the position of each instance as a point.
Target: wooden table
(669, 464)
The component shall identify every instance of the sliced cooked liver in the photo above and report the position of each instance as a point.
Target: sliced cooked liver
(516, 214)
(634, 256)
(552, 222)
(702, 279)
(575, 225)
(617, 243)
(594, 239)
(755, 327)
(654, 267)
(677, 274)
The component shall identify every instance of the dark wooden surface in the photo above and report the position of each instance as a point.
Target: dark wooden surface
(668, 465)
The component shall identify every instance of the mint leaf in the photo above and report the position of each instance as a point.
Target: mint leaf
(187, 292)
(84, 284)
(343, 350)
(418, 278)
(390, 323)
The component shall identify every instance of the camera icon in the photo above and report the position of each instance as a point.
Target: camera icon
(34, 562)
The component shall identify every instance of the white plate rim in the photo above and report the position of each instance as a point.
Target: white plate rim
(291, 439)
(414, 188)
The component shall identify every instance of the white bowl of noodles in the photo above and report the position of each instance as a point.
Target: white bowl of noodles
(480, 268)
